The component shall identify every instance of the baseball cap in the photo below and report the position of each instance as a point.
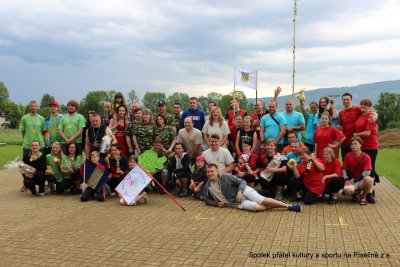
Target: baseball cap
(161, 103)
(200, 158)
(55, 103)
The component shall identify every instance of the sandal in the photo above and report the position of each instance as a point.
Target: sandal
(363, 202)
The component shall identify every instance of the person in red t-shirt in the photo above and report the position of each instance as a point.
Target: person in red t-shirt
(356, 170)
(230, 115)
(332, 175)
(348, 116)
(327, 136)
(368, 133)
(247, 164)
(311, 171)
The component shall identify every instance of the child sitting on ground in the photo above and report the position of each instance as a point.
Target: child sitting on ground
(133, 161)
(90, 192)
(198, 178)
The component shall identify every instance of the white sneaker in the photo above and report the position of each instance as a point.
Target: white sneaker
(121, 201)
(113, 194)
(40, 194)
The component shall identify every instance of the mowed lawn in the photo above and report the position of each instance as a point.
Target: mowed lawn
(9, 153)
(387, 164)
(13, 149)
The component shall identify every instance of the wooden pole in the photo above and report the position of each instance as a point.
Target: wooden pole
(256, 91)
(294, 47)
(234, 83)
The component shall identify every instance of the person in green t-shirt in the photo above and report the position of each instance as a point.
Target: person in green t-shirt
(71, 126)
(32, 127)
(52, 121)
(53, 172)
(70, 167)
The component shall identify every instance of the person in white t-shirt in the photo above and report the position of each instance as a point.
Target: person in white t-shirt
(216, 125)
(219, 155)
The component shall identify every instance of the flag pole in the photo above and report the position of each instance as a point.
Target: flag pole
(165, 190)
(256, 90)
(294, 46)
(234, 83)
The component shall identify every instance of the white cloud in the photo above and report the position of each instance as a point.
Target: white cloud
(65, 47)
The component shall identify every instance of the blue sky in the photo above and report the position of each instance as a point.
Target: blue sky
(67, 48)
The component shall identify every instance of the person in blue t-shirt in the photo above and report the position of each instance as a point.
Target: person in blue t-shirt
(294, 121)
(311, 123)
(273, 125)
(196, 114)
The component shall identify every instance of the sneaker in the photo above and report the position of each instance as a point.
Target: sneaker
(370, 198)
(295, 207)
(278, 196)
(76, 191)
(184, 193)
(121, 201)
(23, 188)
(331, 200)
(113, 194)
(193, 195)
(40, 194)
(52, 189)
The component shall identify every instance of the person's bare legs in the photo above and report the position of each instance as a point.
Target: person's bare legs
(368, 183)
(269, 203)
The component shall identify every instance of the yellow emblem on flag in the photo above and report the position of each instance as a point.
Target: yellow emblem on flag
(245, 76)
(33, 131)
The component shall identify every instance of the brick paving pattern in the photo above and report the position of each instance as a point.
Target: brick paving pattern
(61, 231)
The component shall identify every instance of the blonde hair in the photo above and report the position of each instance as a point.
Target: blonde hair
(271, 140)
(147, 111)
(59, 147)
(220, 118)
(330, 151)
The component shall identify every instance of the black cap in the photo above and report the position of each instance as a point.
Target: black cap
(161, 103)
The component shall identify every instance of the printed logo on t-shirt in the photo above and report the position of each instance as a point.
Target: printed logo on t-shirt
(195, 118)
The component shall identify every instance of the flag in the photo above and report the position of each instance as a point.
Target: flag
(247, 79)
(133, 184)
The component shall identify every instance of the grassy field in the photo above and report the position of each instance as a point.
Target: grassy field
(9, 153)
(10, 137)
(386, 164)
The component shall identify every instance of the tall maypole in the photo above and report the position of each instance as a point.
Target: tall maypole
(294, 46)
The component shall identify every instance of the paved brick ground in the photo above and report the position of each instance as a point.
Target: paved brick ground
(60, 231)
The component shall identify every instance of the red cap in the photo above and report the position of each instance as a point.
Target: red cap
(55, 103)
(200, 158)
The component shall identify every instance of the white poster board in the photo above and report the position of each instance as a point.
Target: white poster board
(133, 183)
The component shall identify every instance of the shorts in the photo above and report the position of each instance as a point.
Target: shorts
(251, 198)
(356, 186)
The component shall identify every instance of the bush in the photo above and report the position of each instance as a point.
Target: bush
(393, 124)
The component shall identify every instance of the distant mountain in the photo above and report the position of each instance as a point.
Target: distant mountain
(371, 90)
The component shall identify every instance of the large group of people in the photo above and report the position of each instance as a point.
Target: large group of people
(249, 161)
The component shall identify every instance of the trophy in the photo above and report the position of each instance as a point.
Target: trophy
(105, 143)
(274, 163)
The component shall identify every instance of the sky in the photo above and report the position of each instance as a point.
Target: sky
(67, 48)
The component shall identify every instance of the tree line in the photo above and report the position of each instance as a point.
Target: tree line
(388, 105)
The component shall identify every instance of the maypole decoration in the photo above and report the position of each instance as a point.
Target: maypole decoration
(294, 47)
